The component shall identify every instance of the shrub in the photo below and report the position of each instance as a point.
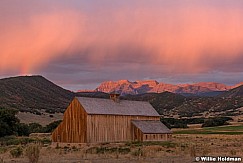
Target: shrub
(8, 122)
(103, 150)
(134, 143)
(139, 152)
(23, 129)
(45, 141)
(12, 140)
(16, 152)
(52, 126)
(124, 150)
(33, 153)
(217, 121)
(35, 128)
(3, 150)
(174, 123)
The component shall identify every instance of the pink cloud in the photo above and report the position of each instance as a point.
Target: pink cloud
(26, 46)
(191, 38)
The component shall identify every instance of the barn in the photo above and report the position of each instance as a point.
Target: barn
(95, 120)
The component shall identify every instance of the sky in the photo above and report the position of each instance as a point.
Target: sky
(78, 44)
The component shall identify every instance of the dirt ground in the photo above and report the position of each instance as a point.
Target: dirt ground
(182, 148)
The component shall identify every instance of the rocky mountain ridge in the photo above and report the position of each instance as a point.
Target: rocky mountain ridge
(152, 86)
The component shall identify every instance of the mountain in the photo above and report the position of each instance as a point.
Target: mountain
(163, 87)
(32, 93)
(213, 86)
(125, 87)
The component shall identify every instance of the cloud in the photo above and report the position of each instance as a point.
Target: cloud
(29, 45)
(131, 39)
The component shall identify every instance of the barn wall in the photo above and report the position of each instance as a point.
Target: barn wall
(156, 137)
(111, 128)
(73, 128)
(137, 134)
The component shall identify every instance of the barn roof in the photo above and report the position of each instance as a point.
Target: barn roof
(151, 127)
(124, 107)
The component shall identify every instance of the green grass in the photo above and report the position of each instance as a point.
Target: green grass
(207, 132)
(225, 130)
(191, 132)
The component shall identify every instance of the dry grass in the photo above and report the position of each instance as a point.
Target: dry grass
(182, 149)
(43, 119)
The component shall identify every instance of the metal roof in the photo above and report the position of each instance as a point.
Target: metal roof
(151, 127)
(123, 107)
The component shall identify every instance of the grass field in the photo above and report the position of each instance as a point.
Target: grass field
(225, 130)
(182, 148)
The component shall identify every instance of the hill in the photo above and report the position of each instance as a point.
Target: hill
(35, 93)
(32, 93)
(162, 102)
(93, 94)
(236, 92)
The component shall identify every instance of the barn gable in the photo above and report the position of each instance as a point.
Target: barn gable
(73, 128)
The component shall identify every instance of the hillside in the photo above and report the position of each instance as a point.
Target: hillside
(93, 94)
(236, 92)
(35, 93)
(32, 93)
(162, 102)
(170, 104)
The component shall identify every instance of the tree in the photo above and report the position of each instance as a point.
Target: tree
(217, 121)
(35, 128)
(23, 129)
(52, 126)
(174, 123)
(8, 122)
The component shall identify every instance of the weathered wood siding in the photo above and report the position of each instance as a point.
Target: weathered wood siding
(73, 128)
(156, 137)
(137, 134)
(112, 128)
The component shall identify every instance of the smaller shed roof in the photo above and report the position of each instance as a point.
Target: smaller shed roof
(151, 127)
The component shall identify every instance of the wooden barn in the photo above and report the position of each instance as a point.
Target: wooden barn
(94, 120)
